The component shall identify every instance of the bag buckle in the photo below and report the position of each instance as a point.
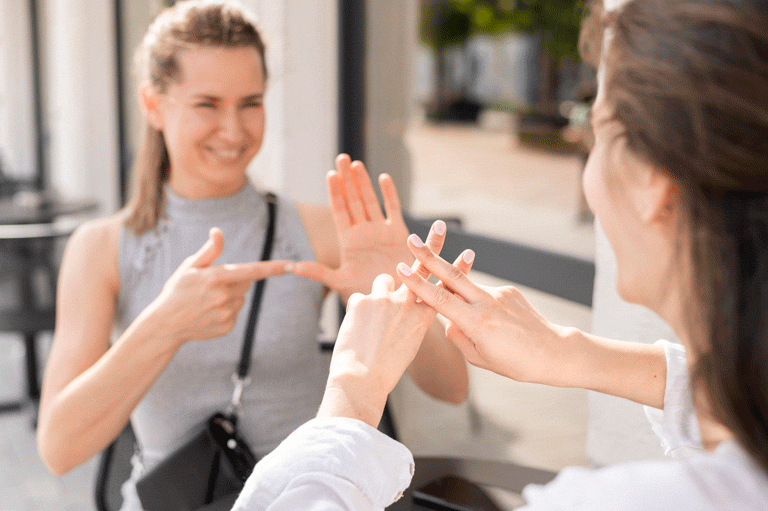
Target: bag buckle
(237, 394)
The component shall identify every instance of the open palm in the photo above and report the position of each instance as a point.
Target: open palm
(371, 242)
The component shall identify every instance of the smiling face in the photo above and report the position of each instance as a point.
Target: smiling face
(212, 120)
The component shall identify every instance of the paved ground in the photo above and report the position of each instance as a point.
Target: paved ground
(496, 188)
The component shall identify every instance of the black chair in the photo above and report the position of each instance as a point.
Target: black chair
(28, 273)
(114, 469)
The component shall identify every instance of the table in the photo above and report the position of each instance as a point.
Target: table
(29, 231)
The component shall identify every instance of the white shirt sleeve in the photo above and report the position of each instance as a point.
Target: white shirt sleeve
(329, 464)
(676, 425)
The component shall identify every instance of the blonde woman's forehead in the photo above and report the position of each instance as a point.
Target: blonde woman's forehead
(222, 68)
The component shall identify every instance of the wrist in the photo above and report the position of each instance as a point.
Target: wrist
(153, 323)
(348, 396)
(573, 360)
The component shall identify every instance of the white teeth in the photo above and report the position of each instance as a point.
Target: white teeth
(226, 154)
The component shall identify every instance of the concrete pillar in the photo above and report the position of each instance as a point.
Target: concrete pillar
(301, 104)
(81, 97)
(17, 119)
(391, 41)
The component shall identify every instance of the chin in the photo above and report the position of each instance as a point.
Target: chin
(629, 291)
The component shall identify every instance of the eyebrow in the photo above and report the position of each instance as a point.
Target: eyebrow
(208, 97)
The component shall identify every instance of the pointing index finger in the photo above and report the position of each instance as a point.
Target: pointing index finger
(252, 271)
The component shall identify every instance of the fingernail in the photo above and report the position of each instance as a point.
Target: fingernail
(416, 241)
(404, 269)
(468, 256)
(289, 267)
(439, 227)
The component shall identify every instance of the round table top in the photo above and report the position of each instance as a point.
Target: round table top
(40, 209)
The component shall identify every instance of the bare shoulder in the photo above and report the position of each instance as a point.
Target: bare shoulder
(321, 231)
(93, 247)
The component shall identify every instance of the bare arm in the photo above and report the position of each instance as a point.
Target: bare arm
(90, 388)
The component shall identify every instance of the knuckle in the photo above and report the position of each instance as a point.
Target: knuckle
(355, 299)
(510, 292)
(455, 273)
(442, 296)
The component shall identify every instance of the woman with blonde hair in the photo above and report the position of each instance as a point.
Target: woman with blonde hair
(161, 275)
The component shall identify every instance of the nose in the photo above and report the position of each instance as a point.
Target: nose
(232, 128)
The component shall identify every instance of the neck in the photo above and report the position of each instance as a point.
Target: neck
(200, 190)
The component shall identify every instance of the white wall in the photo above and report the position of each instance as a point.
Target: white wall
(17, 135)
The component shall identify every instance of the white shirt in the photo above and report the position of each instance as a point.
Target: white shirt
(336, 464)
(329, 464)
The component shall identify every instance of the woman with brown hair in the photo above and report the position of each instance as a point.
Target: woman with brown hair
(678, 178)
(160, 274)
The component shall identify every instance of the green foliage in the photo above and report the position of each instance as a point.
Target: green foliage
(453, 21)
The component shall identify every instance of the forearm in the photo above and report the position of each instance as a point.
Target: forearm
(439, 368)
(91, 410)
(629, 370)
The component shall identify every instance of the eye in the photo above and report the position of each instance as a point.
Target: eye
(205, 104)
(253, 104)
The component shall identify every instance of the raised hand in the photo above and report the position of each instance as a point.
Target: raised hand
(495, 328)
(202, 301)
(370, 243)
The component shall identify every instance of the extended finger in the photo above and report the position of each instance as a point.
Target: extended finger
(351, 193)
(315, 271)
(440, 299)
(365, 187)
(391, 199)
(252, 271)
(435, 241)
(464, 262)
(451, 276)
(338, 201)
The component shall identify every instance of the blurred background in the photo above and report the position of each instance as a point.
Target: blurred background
(477, 108)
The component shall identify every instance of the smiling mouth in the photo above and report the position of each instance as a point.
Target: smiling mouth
(226, 155)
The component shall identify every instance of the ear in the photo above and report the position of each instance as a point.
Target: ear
(657, 196)
(149, 99)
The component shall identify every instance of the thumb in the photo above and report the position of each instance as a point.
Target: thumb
(461, 341)
(209, 252)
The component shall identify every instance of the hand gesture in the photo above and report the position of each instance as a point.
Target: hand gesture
(495, 328)
(379, 338)
(202, 301)
(370, 243)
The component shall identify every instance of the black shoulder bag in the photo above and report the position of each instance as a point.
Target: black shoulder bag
(208, 472)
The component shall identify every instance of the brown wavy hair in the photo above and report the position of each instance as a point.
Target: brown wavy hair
(688, 81)
(183, 26)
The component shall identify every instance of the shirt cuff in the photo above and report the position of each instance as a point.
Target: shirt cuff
(378, 466)
(676, 425)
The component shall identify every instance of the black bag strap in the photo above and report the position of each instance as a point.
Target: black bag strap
(241, 376)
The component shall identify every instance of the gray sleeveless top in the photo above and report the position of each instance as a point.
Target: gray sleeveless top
(288, 371)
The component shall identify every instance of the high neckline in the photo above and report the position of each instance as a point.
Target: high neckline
(247, 201)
